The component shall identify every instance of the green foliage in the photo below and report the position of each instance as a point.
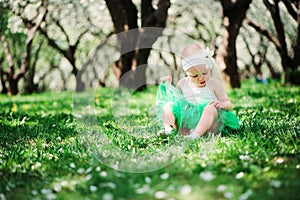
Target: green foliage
(43, 154)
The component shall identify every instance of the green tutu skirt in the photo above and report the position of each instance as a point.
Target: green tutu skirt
(188, 114)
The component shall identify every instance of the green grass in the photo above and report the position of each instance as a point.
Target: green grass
(52, 147)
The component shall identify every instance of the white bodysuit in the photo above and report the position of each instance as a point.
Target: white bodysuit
(197, 95)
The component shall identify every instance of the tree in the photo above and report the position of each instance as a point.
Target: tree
(234, 13)
(258, 55)
(67, 48)
(29, 85)
(290, 56)
(12, 75)
(124, 15)
(2, 78)
(65, 27)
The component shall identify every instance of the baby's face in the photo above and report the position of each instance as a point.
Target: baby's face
(199, 75)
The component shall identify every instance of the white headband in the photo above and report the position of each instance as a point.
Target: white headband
(203, 57)
(193, 60)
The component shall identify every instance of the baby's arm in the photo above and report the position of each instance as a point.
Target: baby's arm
(166, 78)
(223, 101)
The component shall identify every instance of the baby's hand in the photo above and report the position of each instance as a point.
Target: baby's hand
(218, 104)
(166, 78)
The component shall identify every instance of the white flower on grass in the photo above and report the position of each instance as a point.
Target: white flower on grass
(93, 188)
(239, 175)
(116, 165)
(48, 193)
(221, 188)
(185, 190)
(109, 184)
(36, 165)
(88, 177)
(103, 174)
(160, 195)
(51, 196)
(279, 160)
(228, 195)
(246, 195)
(206, 176)
(275, 183)
(57, 187)
(143, 189)
(245, 157)
(45, 191)
(72, 165)
(33, 192)
(80, 171)
(108, 196)
(148, 179)
(64, 183)
(88, 170)
(2, 196)
(164, 176)
(98, 169)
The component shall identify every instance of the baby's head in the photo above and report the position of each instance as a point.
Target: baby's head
(191, 49)
(194, 55)
(197, 62)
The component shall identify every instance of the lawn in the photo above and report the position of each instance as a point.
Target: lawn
(103, 144)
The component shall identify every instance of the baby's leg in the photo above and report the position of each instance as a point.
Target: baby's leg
(207, 120)
(168, 118)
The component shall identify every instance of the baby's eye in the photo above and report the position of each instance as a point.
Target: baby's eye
(194, 76)
(204, 74)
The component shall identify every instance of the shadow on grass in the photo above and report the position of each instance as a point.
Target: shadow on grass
(34, 146)
(19, 128)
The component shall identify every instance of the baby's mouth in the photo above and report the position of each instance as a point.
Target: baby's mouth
(201, 83)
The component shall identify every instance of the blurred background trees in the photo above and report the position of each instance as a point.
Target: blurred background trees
(135, 47)
(59, 45)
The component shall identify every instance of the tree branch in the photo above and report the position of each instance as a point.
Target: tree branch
(162, 12)
(9, 57)
(30, 36)
(296, 44)
(31, 33)
(264, 32)
(62, 30)
(290, 9)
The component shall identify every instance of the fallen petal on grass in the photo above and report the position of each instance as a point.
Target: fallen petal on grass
(207, 176)
(160, 195)
(185, 190)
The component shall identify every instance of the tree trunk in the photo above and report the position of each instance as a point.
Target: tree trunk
(13, 86)
(3, 82)
(80, 85)
(290, 64)
(230, 58)
(12, 76)
(274, 74)
(233, 15)
(30, 86)
(68, 53)
(135, 43)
